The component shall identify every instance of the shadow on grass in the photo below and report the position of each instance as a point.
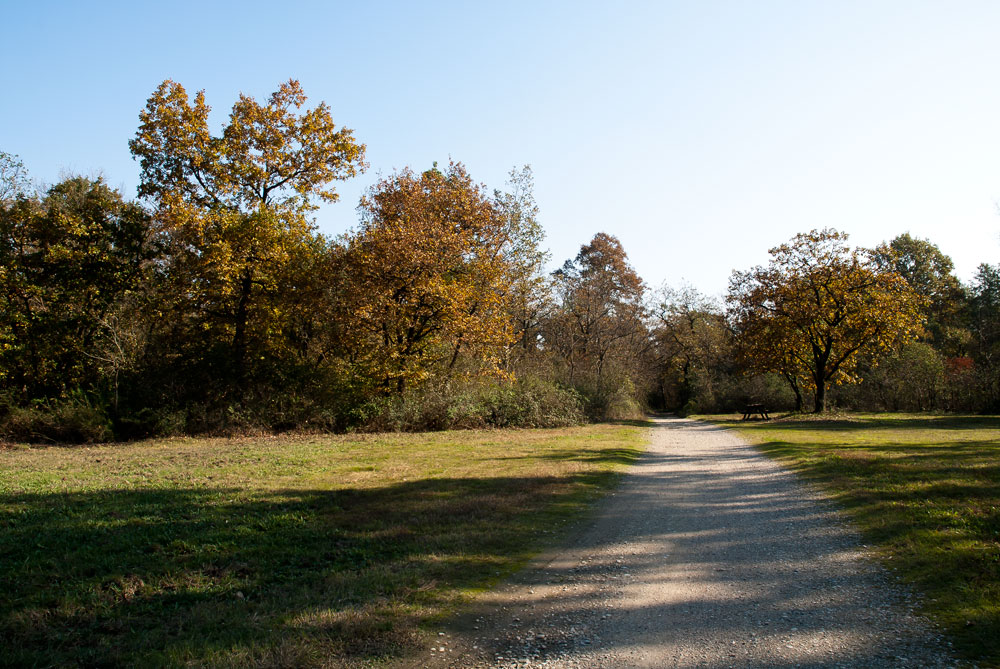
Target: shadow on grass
(933, 506)
(620, 456)
(632, 422)
(879, 423)
(730, 553)
(294, 577)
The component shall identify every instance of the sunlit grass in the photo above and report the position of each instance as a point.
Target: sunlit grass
(925, 490)
(293, 551)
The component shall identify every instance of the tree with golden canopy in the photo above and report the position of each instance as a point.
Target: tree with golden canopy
(430, 277)
(235, 206)
(816, 307)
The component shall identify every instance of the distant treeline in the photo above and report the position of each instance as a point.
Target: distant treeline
(824, 325)
(212, 304)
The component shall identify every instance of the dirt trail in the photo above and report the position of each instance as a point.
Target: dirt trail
(709, 555)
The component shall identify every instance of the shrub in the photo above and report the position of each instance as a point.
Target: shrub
(530, 403)
(74, 420)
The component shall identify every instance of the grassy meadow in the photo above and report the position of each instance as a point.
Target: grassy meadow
(290, 551)
(925, 491)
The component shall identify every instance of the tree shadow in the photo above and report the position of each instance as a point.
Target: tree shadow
(883, 423)
(151, 576)
(633, 422)
(619, 456)
(935, 507)
(747, 564)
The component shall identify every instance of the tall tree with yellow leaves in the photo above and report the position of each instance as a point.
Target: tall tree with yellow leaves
(235, 206)
(430, 275)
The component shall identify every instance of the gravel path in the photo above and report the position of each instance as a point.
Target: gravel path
(709, 555)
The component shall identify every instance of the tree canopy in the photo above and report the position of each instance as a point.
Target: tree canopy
(67, 260)
(13, 177)
(929, 272)
(816, 306)
(692, 338)
(268, 155)
(598, 326)
(431, 274)
(234, 207)
(212, 302)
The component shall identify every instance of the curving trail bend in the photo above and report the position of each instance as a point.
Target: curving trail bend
(708, 555)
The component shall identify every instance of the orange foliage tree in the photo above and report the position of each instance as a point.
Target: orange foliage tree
(430, 275)
(598, 330)
(816, 307)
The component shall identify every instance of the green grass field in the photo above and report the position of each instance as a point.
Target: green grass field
(291, 551)
(925, 490)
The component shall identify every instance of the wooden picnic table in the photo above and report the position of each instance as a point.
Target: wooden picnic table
(755, 410)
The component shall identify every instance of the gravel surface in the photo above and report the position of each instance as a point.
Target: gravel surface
(708, 555)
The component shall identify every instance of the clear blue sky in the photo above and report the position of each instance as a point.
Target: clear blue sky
(700, 133)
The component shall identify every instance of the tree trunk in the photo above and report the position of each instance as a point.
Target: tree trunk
(793, 381)
(820, 373)
(685, 391)
(820, 406)
(454, 356)
(240, 335)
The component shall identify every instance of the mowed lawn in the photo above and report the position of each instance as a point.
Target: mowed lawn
(925, 491)
(286, 551)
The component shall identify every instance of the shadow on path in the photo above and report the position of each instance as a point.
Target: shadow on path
(708, 555)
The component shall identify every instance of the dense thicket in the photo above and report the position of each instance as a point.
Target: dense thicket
(212, 303)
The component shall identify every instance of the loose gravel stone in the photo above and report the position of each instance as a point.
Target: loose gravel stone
(709, 555)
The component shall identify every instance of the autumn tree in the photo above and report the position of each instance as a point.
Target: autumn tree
(598, 327)
(984, 321)
(761, 347)
(816, 306)
(235, 206)
(430, 274)
(66, 261)
(930, 273)
(692, 340)
(13, 177)
(529, 291)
